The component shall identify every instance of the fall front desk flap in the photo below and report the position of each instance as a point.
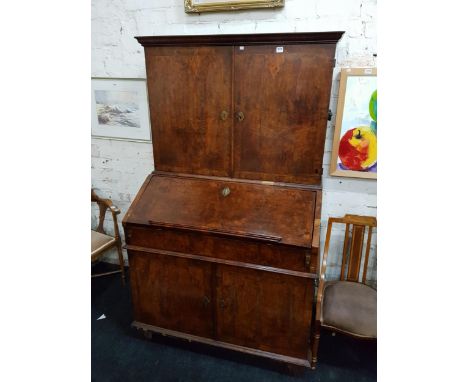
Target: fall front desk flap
(270, 213)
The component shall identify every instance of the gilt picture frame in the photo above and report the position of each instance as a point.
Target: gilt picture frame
(198, 6)
(119, 109)
(354, 151)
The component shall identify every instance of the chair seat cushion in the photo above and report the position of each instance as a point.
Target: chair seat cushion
(99, 241)
(351, 307)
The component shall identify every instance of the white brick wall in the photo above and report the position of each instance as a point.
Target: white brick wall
(119, 167)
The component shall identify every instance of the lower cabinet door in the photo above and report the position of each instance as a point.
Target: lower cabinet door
(172, 293)
(264, 310)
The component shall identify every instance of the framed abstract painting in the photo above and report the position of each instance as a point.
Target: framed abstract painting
(354, 152)
(119, 109)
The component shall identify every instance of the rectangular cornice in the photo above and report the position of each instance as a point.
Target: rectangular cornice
(243, 39)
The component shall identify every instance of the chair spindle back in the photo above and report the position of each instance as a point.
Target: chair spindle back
(356, 226)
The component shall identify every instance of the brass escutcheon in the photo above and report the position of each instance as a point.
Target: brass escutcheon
(223, 115)
(240, 116)
(226, 191)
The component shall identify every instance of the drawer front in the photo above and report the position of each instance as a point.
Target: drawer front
(248, 251)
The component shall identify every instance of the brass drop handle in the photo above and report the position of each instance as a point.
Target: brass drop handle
(240, 116)
(206, 301)
(222, 304)
(223, 115)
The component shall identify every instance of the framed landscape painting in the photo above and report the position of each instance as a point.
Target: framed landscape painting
(354, 152)
(119, 109)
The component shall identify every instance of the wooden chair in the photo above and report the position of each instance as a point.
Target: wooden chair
(100, 241)
(347, 305)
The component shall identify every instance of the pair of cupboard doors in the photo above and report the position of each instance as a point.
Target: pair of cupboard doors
(242, 308)
(242, 111)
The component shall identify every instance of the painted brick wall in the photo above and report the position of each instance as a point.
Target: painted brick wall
(120, 167)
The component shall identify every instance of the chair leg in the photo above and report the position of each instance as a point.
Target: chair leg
(121, 260)
(315, 344)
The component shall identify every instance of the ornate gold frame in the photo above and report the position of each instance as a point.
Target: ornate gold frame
(231, 5)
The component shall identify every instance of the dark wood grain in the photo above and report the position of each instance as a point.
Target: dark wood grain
(219, 246)
(137, 198)
(188, 89)
(354, 260)
(274, 318)
(172, 333)
(261, 210)
(236, 263)
(284, 99)
(172, 292)
(224, 236)
(296, 186)
(197, 94)
(315, 264)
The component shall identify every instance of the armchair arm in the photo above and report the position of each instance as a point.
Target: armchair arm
(114, 209)
(105, 204)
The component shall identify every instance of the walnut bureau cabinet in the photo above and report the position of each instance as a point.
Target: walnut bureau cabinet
(223, 236)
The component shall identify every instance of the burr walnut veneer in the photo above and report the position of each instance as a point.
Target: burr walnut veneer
(223, 236)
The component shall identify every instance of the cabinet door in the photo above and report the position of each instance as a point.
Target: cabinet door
(264, 310)
(189, 91)
(283, 93)
(171, 292)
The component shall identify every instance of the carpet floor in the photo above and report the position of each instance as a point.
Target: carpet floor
(120, 353)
